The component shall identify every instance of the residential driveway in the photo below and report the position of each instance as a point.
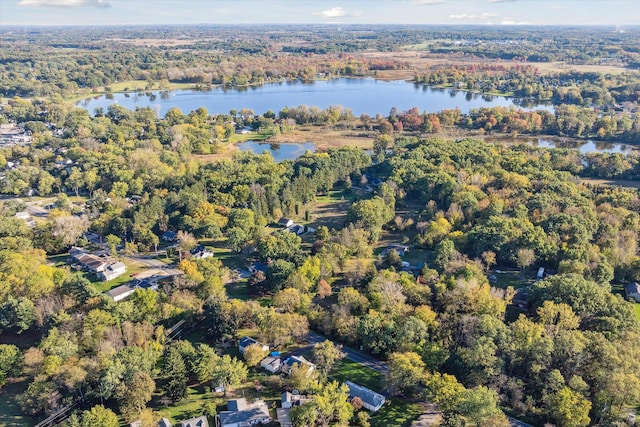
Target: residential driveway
(430, 416)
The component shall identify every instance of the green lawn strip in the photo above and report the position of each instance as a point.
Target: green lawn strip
(10, 412)
(108, 285)
(637, 308)
(346, 369)
(191, 406)
(398, 413)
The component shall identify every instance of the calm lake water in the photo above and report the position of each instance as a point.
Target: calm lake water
(582, 146)
(279, 152)
(362, 96)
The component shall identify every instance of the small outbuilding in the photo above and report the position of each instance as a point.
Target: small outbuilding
(633, 291)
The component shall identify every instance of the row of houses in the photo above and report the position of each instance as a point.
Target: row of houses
(371, 400)
(103, 266)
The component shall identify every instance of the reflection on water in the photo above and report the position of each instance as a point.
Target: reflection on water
(279, 152)
(584, 147)
(361, 96)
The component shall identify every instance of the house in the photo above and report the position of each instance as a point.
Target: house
(196, 422)
(400, 249)
(169, 236)
(633, 291)
(93, 263)
(121, 292)
(271, 364)
(288, 401)
(201, 253)
(112, 271)
(257, 266)
(247, 341)
(292, 360)
(370, 399)
(285, 222)
(164, 422)
(241, 414)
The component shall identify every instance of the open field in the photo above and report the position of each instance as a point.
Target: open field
(419, 59)
(325, 137)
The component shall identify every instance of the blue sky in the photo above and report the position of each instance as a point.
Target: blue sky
(495, 12)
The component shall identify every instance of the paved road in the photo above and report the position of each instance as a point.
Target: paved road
(517, 423)
(351, 354)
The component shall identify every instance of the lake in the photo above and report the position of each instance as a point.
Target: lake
(280, 152)
(362, 96)
(584, 147)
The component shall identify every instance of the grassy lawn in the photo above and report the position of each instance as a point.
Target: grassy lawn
(10, 412)
(510, 278)
(637, 307)
(397, 413)
(345, 370)
(191, 406)
(106, 286)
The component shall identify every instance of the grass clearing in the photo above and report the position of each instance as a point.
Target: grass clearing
(132, 269)
(397, 413)
(346, 369)
(191, 406)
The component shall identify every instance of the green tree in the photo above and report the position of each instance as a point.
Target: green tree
(17, 314)
(174, 371)
(405, 373)
(326, 354)
(11, 361)
(99, 416)
(254, 354)
(568, 408)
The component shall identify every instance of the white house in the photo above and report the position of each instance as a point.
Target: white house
(271, 364)
(292, 360)
(370, 399)
(285, 222)
(121, 292)
(112, 271)
(247, 341)
(93, 263)
(290, 400)
(241, 414)
(196, 422)
(633, 291)
(201, 253)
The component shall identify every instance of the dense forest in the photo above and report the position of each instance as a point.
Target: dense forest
(461, 320)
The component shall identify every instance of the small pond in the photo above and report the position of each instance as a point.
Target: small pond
(280, 152)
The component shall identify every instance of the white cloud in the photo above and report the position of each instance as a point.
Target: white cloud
(485, 15)
(428, 1)
(334, 12)
(65, 3)
(512, 22)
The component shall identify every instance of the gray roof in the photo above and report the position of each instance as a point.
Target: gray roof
(196, 422)
(122, 289)
(164, 422)
(236, 405)
(247, 341)
(366, 395)
(632, 288)
(249, 415)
